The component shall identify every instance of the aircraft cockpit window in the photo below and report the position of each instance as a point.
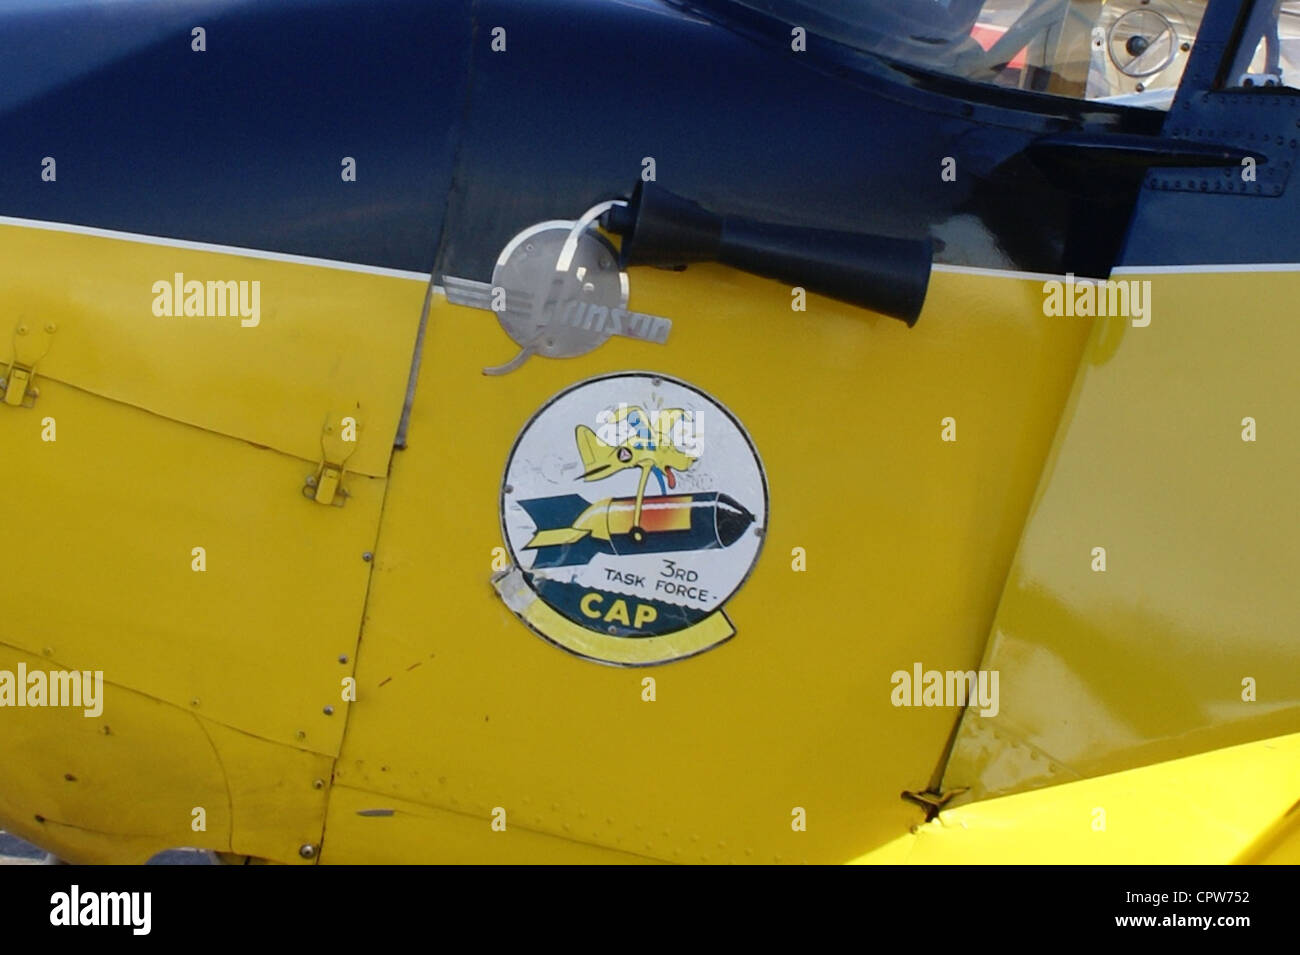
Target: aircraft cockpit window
(1120, 51)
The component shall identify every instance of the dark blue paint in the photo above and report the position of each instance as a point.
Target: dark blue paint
(241, 144)
(458, 147)
(740, 124)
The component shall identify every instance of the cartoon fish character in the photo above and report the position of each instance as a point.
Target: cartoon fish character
(648, 446)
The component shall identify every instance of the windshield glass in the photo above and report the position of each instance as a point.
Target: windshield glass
(1129, 51)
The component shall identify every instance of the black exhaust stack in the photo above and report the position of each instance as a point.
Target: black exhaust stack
(881, 273)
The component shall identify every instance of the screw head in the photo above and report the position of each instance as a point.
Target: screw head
(329, 711)
(318, 784)
(343, 658)
(367, 557)
(1137, 45)
(307, 852)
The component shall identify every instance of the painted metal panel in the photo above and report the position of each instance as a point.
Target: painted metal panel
(461, 708)
(1146, 661)
(1232, 805)
(324, 343)
(101, 572)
